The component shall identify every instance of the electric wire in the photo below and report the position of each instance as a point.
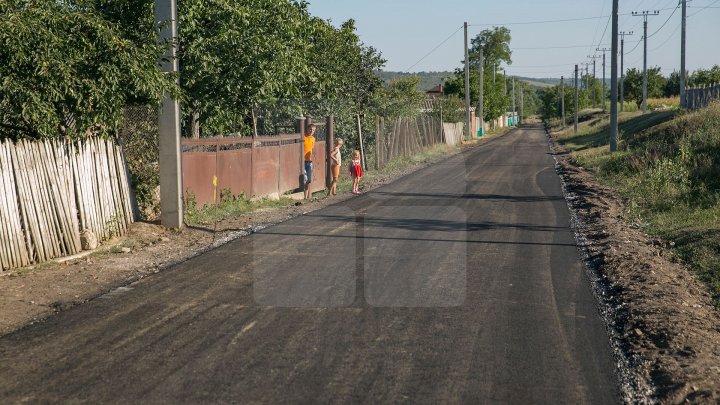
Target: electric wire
(666, 21)
(435, 49)
(708, 6)
(668, 39)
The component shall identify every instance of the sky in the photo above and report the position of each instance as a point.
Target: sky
(407, 32)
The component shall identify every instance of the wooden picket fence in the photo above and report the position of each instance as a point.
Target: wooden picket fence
(51, 190)
(405, 136)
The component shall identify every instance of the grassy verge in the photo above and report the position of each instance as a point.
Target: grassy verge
(228, 207)
(667, 170)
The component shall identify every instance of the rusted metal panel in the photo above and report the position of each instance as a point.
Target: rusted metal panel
(198, 172)
(235, 171)
(318, 167)
(265, 162)
(259, 167)
(290, 167)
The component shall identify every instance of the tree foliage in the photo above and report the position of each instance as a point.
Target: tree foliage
(65, 69)
(81, 62)
(496, 50)
(633, 84)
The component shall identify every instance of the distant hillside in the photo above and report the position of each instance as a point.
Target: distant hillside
(543, 82)
(429, 80)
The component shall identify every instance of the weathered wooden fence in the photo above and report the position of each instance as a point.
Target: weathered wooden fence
(700, 97)
(52, 190)
(405, 136)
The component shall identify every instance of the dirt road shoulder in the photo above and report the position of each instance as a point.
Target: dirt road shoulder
(665, 328)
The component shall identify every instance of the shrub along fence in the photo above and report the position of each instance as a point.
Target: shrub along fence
(701, 97)
(52, 190)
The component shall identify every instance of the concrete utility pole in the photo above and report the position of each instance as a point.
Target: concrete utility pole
(513, 99)
(171, 201)
(645, 15)
(576, 96)
(467, 87)
(481, 107)
(604, 90)
(586, 81)
(622, 67)
(613, 80)
(504, 82)
(594, 89)
(683, 38)
(522, 104)
(562, 99)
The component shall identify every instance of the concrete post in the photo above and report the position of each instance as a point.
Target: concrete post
(513, 101)
(644, 89)
(468, 130)
(613, 79)
(683, 38)
(576, 97)
(171, 188)
(481, 107)
(522, 104)
(562, 99)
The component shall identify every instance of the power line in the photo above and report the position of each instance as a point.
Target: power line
(554, 47)
(435, 49)
(663, 25)
(668, 39)
(708, 6)
(534, 66)
(602, 10)
(549, 21)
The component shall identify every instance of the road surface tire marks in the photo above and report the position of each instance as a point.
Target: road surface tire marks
(460, 283)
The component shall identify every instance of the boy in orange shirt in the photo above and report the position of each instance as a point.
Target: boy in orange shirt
(308, 144)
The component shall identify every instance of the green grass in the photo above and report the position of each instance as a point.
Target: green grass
(668, 173)
(228, 207)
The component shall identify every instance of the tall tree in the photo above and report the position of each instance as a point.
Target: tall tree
(65, 69)
(495, 43)
(633, 84)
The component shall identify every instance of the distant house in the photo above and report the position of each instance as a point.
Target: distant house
(435, 91)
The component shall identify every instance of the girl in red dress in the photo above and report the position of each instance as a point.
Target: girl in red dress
(356, 172)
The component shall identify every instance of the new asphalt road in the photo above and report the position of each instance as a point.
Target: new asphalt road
(460, 283)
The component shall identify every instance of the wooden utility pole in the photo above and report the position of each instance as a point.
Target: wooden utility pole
(468, 131)
(613, 79)
(362, 147)
(171, 199)
(645, 15)
(329, 146)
